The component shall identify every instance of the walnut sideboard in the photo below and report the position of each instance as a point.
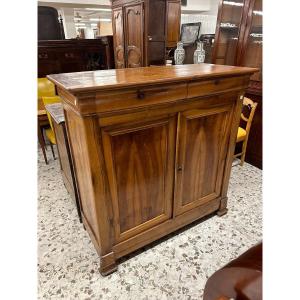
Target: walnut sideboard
(152, 148)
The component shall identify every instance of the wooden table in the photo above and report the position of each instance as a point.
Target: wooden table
(65, 158)
(152, 147)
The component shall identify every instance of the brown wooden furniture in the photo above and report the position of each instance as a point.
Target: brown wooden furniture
(240, 279)
(152, 148)
(75, 55)
(50, 26)
(239, 42)
(243, 133)
(139, 32)
(65, 158)
(173, 22)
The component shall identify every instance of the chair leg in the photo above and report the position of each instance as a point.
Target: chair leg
(42, 144)
(244, 147)
(242, 159)
(52, 150)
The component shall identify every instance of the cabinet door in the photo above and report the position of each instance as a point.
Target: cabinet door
(229, 31)
(202, 143)
(118, 35)
(140, 165)
(253, 42)
(134, 35)
(173, 22)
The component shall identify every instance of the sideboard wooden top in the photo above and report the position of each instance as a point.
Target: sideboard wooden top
(108, 79)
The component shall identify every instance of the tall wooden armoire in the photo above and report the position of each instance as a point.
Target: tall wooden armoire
(139, 30)
(239, 40)
(173, 22)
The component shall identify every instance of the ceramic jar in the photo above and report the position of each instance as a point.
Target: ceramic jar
(199, 54)
(179, 54)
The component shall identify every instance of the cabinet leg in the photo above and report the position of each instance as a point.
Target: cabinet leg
(223, 207)
(108, 264)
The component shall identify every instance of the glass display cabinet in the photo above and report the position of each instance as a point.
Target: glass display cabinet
(239, 42)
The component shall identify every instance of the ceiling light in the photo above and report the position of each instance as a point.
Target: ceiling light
(105, 20)
(99, 9)
(79, 24)
(258, 12)
(233, 3)
(93, 24)
(94, 19)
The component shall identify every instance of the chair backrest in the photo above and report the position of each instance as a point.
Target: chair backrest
(50, 100)
(45, 88)
(252, 107)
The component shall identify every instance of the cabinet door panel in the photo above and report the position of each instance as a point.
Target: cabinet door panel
(173, 22)
(118, 35)
(202, 140)
(140, 166)
(134, 35)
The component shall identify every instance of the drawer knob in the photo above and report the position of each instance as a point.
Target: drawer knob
(217, 81)
(140, 95)
(179, 169)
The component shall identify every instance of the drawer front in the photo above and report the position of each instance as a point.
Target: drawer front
(145, 96)
(205, 87)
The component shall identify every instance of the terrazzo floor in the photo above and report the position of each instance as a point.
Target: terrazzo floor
(175, 267)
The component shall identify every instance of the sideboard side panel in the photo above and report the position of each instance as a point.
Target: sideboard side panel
(92, 181)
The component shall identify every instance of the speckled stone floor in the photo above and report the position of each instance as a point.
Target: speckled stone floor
(176, 267)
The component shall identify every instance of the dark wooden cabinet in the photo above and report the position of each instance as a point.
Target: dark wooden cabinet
(50, 26)
(150, 155)
(238, 42)
(64, 56)
(173, 22)
(139, 29)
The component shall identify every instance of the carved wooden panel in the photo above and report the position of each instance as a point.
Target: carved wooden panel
(134, 35)
(118, 37)
(140, 163)
(202, 140)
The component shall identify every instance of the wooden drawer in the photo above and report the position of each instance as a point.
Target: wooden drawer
(204, 87)
(138, 97)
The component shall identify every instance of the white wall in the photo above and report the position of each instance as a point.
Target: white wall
(67, 14)
(196, 5)
(208, 18)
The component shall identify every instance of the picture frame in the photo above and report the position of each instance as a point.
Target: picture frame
(190, 33)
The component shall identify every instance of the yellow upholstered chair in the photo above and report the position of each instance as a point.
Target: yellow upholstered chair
(243, 133)
(45, 89)
(50, 131)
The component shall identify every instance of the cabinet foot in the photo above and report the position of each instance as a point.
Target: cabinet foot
(222, 212)
(223, 207)
(108, 264)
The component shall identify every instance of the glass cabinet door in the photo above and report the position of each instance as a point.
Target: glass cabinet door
(228, 32)
(252, 56)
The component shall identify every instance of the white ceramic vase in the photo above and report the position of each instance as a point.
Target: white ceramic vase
(199, 54)
(179, 54)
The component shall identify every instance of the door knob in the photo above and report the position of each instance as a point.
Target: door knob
(179, 168)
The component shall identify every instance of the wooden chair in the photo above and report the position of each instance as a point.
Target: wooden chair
(50, 131)
(243, 134)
